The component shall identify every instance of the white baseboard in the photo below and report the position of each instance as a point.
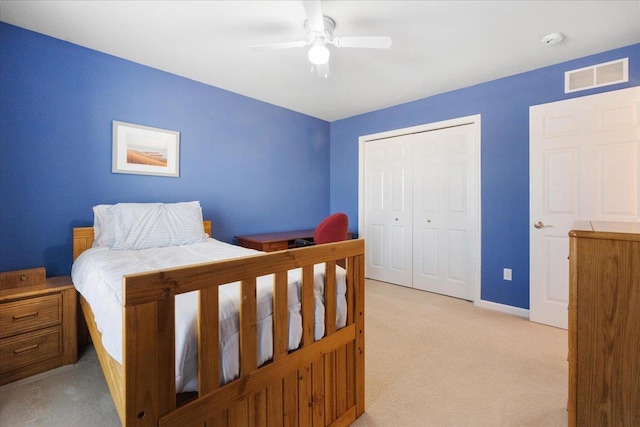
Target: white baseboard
(522, 312)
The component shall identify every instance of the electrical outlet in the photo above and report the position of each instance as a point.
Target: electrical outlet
(506, 274)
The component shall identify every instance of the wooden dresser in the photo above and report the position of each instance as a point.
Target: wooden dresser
(604, 324)
(37, 328)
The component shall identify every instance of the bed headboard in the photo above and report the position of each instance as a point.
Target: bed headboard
(83, 238)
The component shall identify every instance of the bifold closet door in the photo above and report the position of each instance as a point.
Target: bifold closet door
(388, 210)
(421, 214)
(445, 220)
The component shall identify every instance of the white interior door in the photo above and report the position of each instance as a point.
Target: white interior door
(388, 180)
(445, 220)
(584, 156)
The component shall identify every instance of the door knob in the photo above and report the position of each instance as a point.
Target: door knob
(540, 225)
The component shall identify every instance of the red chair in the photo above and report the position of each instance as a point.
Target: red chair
(332, 229)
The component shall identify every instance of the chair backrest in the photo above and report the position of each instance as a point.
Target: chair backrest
(332, 229)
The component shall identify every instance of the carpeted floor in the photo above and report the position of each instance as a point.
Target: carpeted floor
(430, 361)
(73, 395)
(438, 361)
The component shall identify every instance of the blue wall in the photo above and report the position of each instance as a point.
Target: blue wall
(254, 167)
(504, 107)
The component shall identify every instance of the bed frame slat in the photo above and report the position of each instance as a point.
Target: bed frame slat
(330, 298)
(280, 315)
(341, 380)
(248, 327)
(329, 384)
(290, 400)
(308, 306)
(208, 339)
(358, 289)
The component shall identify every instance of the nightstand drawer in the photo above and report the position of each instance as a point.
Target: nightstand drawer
(29, 314)
(29, 348)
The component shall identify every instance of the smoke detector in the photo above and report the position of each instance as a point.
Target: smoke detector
(551, 39)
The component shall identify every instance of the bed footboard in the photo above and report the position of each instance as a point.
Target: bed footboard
(321, 383)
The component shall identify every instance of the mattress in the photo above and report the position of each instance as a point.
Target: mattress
(97, 275)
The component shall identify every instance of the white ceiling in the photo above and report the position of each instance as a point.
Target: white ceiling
(438, 46)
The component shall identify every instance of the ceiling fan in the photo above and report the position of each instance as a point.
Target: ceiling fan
(320, 34)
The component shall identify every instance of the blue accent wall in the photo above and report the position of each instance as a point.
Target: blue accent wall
(253, 166)
(504, 107)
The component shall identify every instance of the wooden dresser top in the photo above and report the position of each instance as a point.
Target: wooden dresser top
(606, 229)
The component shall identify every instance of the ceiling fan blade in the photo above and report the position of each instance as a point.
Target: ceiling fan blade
(313, 9)
(276, 46)
(322, 70)
(382, 42)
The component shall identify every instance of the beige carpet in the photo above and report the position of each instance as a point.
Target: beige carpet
(431, 361)
(73, 395)
(438, 361)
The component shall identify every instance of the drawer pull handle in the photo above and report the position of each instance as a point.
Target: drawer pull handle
(19, 317)
(26, 349)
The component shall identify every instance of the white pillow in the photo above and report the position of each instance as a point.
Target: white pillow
(154, 225)
(101, 235)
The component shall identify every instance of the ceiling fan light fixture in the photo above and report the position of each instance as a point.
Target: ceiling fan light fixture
(319, 54)
(319, 29)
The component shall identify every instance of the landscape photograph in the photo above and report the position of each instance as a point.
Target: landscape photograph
(146, 157)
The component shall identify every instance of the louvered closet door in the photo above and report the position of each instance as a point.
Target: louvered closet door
(388, 210)
(444, 211)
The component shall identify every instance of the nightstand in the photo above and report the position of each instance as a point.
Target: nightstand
(38, 328)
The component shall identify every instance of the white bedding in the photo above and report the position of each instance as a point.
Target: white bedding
(97, 275)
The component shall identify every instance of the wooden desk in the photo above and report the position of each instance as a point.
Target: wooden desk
(270, 242)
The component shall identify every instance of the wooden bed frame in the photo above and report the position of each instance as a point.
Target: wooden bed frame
(319, 384)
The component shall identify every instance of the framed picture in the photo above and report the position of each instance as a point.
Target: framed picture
(145, 150)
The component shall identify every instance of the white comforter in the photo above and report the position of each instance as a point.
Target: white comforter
(97, 275)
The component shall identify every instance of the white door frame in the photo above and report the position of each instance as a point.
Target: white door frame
(475, 120)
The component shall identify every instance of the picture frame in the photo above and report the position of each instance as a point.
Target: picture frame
(145, 150)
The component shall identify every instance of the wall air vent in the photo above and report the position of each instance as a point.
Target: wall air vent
(604, 74)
